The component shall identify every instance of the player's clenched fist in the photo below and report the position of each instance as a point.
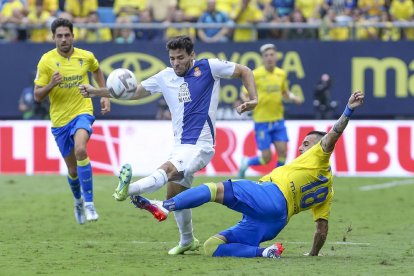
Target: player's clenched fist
(56, 78)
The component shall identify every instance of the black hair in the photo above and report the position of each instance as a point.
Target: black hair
(316, 132)
(61, 22)
(181, 42)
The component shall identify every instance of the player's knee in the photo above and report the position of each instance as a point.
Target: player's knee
(80, 153)
(211, 245)
(265, 158)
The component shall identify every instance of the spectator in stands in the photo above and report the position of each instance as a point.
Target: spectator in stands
(389, 32)
(129, 8)
(162, 10)
(124, 35)
(278, 9)
(171, 32)
(192, 10)
(15, 12)
(227, 6)
(211, 15)
(147, 34)
(39, 16)
(309, 8)
(50, 6)
(247, 12)
(299, 33)
(98, 33)
(371, 8)
(364, 32)
(80, 10)
(30, 109)
(327, 30)
(341, 7)
(403, 10)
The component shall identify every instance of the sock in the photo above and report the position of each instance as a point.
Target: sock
(259, 252)
(185, 225)
(253, 161)
(85, 178)
(236, 250)
(75, 187)
(280, 162)
(190, 198)
(148, 184)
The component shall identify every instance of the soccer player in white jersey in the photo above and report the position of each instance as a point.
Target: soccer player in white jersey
(191, 89)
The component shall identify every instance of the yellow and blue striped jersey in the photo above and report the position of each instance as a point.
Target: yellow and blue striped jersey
(270, 87)
(66, 102)
(306, 183)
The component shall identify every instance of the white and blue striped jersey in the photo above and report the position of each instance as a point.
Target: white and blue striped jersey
(192, 99)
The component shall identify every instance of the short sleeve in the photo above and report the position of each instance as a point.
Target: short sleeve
(221, 68)
(151, 84)
(42, 75)
(94, 63)
(323, 210)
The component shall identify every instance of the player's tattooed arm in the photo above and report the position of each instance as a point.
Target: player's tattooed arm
(328, 141)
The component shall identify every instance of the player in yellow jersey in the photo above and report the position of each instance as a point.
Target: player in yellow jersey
(59, 74)
(268, 116)
(267, 205)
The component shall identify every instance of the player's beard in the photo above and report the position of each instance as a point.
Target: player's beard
(65, 48)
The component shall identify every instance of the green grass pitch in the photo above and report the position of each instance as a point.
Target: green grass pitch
(370, 233)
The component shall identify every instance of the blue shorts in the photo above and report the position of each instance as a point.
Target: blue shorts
(264, 212)
(64, 135)
(269, 132)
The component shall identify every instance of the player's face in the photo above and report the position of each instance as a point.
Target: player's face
(181, 61)
(308, 142)
(64, 39)
(269, 59)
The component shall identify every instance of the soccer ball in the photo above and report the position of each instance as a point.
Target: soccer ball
(121, 84)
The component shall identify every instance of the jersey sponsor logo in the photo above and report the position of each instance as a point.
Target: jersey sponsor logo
(184, 93)
(197, 72)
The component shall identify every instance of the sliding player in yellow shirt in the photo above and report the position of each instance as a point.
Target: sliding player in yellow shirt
(267, 205)
(59, 74)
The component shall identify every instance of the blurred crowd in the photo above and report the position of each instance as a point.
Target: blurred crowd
(335, 20)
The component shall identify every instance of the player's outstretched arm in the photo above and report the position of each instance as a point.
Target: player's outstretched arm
(100, 79)
(328, 141)
(88, 91)
(246, 75)
(320, 236)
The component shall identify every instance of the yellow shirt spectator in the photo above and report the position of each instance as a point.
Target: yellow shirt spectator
(41, 34)
(372, 7)
(309, 8)
(402, 9)
(252, 14)
(48, 5)
(191, 8)
(9, 7)
(81, 9)
(139, 5)
(227, 6)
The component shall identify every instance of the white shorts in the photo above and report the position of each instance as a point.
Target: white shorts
(190, 159)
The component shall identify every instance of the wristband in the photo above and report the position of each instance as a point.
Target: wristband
(348, 111)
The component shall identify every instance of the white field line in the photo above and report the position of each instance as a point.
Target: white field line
(387, 185)
(174, 242)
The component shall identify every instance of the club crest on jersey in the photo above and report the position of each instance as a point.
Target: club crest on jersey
(197, 72)
(80, 62)
(184, 93)
(57, 64)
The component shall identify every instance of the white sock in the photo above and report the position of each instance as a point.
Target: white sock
(148, 184)
(185, 225)
(89, 204)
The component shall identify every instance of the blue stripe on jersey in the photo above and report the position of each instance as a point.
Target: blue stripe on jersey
(210, 124)
(200, 85)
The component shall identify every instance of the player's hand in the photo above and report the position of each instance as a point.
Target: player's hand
(56, 79)
(356, 100)
(87, 90)
(105, 105)
(246, 106)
